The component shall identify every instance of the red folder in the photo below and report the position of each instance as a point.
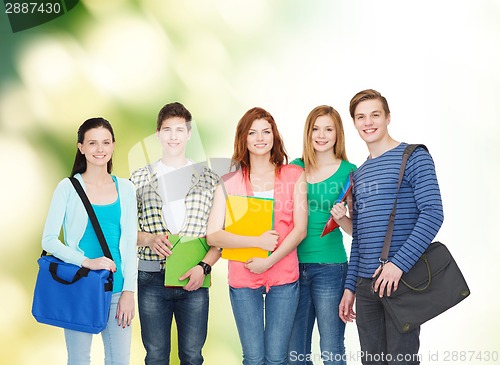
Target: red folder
(331, 224)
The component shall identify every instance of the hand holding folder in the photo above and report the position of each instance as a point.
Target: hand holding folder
(247, 216)
(331, 224)
(186, 253)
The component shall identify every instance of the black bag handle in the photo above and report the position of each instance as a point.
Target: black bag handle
(390, 227)
(429, 277)
(81, 273)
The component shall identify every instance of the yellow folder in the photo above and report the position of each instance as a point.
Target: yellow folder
(247, 216)
(186, 253)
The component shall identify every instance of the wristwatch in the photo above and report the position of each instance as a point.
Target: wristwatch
(207, 269)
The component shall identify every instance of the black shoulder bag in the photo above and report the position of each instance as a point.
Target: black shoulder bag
(433, 285)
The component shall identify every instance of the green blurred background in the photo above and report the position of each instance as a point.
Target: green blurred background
(435, 61)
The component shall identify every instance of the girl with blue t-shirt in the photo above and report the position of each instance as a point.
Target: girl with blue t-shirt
(322, 260)
(113, 200)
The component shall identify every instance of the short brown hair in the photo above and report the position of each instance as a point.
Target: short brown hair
(241, 156)
(308, 154)
(172, 110)
(368, 94)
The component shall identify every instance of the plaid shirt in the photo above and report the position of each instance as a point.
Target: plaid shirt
(198, 203)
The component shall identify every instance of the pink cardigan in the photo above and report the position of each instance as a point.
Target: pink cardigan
(287, 269)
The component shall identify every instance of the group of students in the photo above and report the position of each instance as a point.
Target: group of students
(276, 300)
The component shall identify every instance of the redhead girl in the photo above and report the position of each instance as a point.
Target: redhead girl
(263, 291)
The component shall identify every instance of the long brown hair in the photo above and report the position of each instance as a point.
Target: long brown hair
(80, 164)
(241, 156)
(308, 154)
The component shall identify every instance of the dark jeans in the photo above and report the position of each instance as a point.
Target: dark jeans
(157, 306)
(381, 342)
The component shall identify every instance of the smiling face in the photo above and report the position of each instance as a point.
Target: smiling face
(173, 136)
(97, 146)
(260, 137)
(371, 121)
(323, 135)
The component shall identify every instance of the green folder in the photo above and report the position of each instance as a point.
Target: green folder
(186, 253)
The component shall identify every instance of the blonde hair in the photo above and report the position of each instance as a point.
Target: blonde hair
(308, 154)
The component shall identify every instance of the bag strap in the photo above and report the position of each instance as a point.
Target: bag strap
(390, 227)
(92, 216)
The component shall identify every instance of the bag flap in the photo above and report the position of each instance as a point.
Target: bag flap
(431, 263)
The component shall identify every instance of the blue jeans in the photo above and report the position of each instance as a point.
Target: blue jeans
(116, 340)
(380, 340)
(157, 306)
(321, 288)
(264, 322)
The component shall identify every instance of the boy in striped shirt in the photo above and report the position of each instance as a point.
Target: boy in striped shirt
(418, 219)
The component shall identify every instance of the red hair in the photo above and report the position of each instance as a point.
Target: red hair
(241, 156)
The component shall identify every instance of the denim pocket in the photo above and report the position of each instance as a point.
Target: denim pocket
(144, 277)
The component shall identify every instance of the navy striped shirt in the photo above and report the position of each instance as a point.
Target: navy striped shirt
(419, 212)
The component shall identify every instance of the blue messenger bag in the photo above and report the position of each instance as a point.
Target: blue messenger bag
(73, 297)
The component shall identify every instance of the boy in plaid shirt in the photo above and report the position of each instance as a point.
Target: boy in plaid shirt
(167, 205)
